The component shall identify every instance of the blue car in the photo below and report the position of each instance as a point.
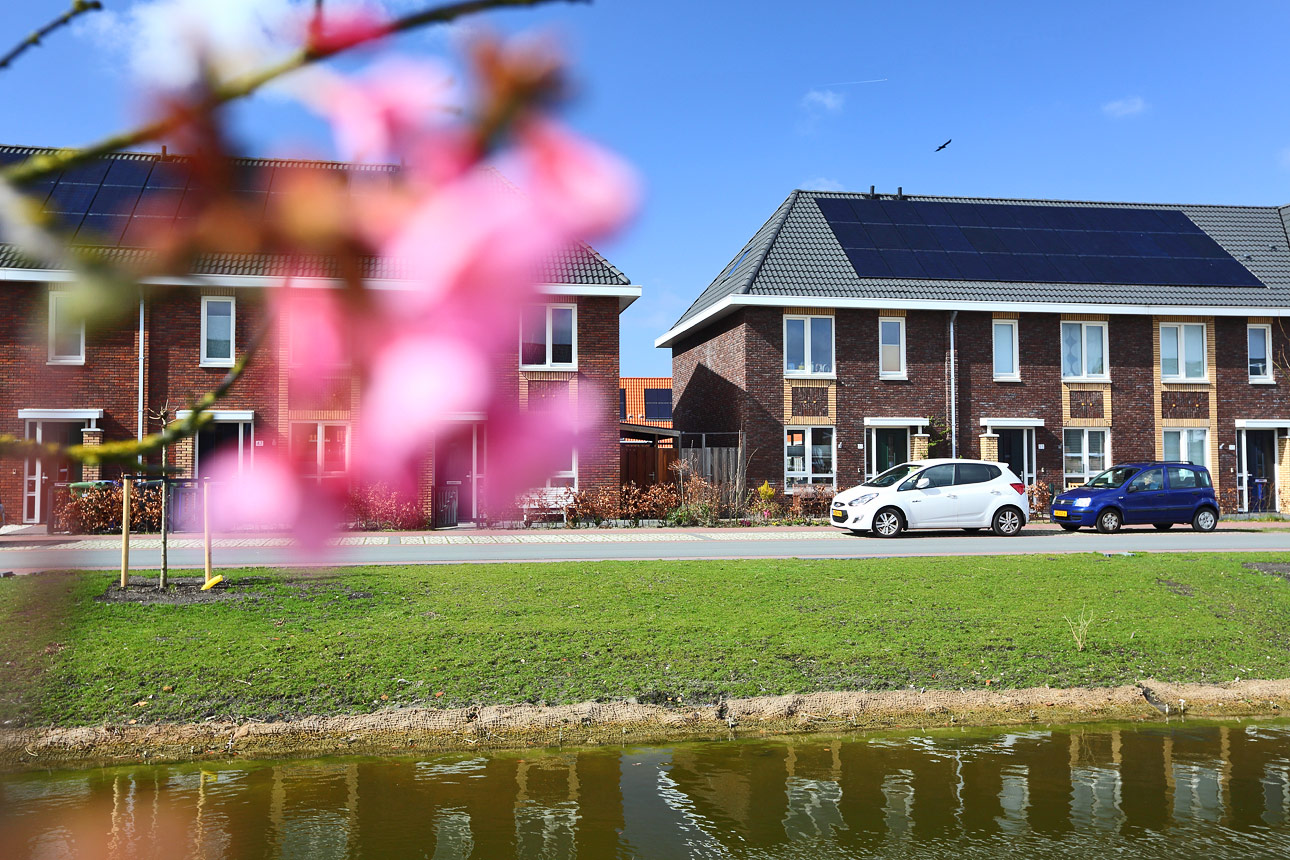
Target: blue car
(1161, 494)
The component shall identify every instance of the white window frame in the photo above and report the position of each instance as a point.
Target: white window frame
(207, 361)
(320, 447)
(1181, 375)
(1267, 378)
(57, 297)
(565, 474)
(1182, 443)
(1106, 453)
(549, 364)
(808, 475)
(892, 374)
(806, 347)
(1015, 376)
(1105, 375)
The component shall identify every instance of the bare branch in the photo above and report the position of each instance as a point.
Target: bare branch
(79, 7)
(41, 165)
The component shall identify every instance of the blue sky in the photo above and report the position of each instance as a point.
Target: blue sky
(724, 107)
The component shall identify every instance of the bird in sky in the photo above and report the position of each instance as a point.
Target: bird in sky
(942, 146)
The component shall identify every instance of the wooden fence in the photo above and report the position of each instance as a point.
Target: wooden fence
(646, 465)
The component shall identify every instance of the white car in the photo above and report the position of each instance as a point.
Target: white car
(935, 494)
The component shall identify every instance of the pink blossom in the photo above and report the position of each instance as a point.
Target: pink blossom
(587, 191)
(313, 324)
(270, 493)
(342, 27)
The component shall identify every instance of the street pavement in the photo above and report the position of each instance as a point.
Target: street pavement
(25, 553)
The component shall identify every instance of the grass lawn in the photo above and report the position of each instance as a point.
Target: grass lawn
(358, 639)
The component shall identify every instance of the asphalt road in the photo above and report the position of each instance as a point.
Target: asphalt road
(463, 547)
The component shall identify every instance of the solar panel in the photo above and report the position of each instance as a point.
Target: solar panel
(886, 238)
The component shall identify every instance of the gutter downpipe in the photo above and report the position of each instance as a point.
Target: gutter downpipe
(141, 334)
(954, 399)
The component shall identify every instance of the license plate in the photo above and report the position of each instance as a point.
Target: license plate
(1059, 513)
(839, 516)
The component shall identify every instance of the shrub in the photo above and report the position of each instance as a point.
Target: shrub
(811, 501)
(97, 510)
(1040, 496)
(380, 507)
(594, 505)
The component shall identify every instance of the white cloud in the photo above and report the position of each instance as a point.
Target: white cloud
(823, 101)
(158, 41)
(822, 183)
(1131, 106)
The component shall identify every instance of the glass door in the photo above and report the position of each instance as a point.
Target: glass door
(888, 446)
(1255, 480)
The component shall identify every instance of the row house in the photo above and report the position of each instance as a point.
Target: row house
(856, 331)
(63, 382)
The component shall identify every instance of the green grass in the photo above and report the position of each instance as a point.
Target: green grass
(337, 641)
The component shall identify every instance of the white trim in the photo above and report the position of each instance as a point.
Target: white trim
(1182, 444)
(230, 415)
(903, 372)
(564, 474)
(1015, 375)
(1267, 378)
(79, 359)
(1012, 423)
(1084, 432)
(60, 414)
(807, 476)
(897, 422)
(1182, 352)
(205, 360)
(806, 347)
(1259, 424)
(728, 303)
(571, 366)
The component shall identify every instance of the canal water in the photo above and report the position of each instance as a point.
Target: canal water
(1180, 790)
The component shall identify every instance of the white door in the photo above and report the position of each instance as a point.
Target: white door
(935, 504)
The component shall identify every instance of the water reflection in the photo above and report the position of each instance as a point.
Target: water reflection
(1154, 791)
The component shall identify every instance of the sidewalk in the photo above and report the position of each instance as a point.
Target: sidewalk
(36, 537)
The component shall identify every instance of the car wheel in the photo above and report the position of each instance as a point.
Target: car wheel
(1206, 520)
(1109, 521)
(1007, 521)
(1162, 527)
(888, 523)
(1069, 527)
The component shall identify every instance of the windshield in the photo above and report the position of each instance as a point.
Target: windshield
(1112, 477)
(893, 475)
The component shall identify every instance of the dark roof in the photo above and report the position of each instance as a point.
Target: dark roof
(109, 203)
(796, 253)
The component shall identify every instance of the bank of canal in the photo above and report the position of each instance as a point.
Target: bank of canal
(1186, 788)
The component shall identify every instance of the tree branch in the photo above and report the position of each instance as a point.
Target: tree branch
(132, 450)
(41, 165)
(79, 7)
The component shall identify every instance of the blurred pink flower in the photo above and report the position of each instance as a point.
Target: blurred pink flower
(314, 328)
(343, 26)
(270, 493)
(587, 191)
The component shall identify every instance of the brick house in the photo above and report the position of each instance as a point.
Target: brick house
(855, 331)
(61, 382)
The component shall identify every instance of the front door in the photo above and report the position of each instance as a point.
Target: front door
(456, 465)
(1258, 459)
(1017, 451)
(890, 448)
(39, 478)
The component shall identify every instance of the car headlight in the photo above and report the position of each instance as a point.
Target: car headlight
(863, 500)
(1083, 502)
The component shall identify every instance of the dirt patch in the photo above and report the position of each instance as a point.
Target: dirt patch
(1177, 587)
(1281, 570)
(615, 723)
(180, 591)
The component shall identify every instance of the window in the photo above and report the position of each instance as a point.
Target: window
(1150, 481)
(976, 473)
(566, 477)
(218, 329)
(1182, 351)
(936, 476)
(622, 404)
(1259, 338)
(1181, 478)
(658, 404)
(321, 450)
(808, 456)
(1005, 350)
(1084, 350)
(808, 346)
(1187, 446)
(548, 337)
(66, 332)
(891, 348)
(1085, 454)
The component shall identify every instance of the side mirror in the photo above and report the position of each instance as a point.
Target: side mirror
(923, 483)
